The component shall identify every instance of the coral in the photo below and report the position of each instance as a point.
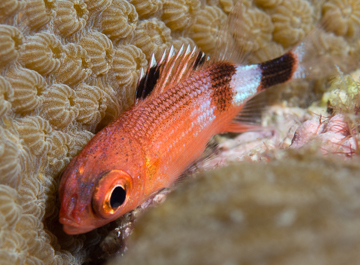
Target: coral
(71, 16)
(11, 40)
(14, 246)
(270, 51)
(147, 8)
(35, 132)
(12, 158)
(92, 104)
(100, 50)
(177, 14)
(96, 6)
(152, 37)
(10, 7)
(60, 106)
(69, 67)
(300, 203)
(28, 87)
(43, 53)
(80, 140)
(37, 13)
(32, 197)
(292, 21)
(113, 103)
(258, 30)
(329, 44)
(128, 61)
(64, 147)
(58, 156)
(119, 20)
(268, 3)
(177, 43)
(9, 207)
(75, 67)
(6, 93)
(342, 16)
(205, 30)
(344, 95)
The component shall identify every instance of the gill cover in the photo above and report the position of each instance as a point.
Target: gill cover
(111, 193)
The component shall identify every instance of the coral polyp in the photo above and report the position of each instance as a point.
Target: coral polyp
(70, 67)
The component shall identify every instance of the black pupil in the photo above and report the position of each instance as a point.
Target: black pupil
(118, 197)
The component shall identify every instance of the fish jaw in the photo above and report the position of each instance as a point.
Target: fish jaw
(72, 228)
(82, 177)
(75, 214)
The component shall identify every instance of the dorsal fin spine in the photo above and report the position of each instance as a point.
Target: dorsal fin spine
(166, 70)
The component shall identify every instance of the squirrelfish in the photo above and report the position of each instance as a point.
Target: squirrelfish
(181, 102)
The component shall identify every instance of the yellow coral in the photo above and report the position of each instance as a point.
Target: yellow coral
(11, 40)
(66, 73)
(330, 44)
(43, 53)
(205, 30)
(119, 20)
(75, 67)
(32, 199)
(342, 16)
(177, 14)
(146, 8)
(71, 16)
(30, 228)
(270, 51)
(100, 50)
(344, 95)
(95, 6)
(126, 67)
(152, 37)
(12, 157)
(6, 93)
(60, 106)
(92, 104)
(28, 88)
(38, 13)
(9, 206)
(58, 155)
(268, 3)
(292, 21)
(256, 29)
(79, 140)
(177, 43)
(14, 246)
(9, 7)
(113, 103)
(35, 132)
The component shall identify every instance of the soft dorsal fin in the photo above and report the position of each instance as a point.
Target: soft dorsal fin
(168, 71)
(227, 46)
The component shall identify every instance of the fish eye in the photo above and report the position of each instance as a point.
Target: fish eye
(117, 197)
(110, 194)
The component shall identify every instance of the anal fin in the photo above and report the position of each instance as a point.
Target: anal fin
(250, 116)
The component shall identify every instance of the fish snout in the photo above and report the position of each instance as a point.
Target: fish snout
(74, 220)
(72, 228)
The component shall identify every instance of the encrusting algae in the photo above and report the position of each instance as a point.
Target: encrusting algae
(69, 67)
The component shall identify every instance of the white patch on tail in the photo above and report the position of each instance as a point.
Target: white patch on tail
(245, 83)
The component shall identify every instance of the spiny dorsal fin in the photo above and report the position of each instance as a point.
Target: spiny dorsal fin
(168, 71)
(147, 80)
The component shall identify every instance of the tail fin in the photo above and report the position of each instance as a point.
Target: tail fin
(306, 60)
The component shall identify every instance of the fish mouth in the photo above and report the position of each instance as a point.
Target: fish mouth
(72, 228)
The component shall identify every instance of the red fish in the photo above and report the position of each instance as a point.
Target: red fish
(181, 102)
